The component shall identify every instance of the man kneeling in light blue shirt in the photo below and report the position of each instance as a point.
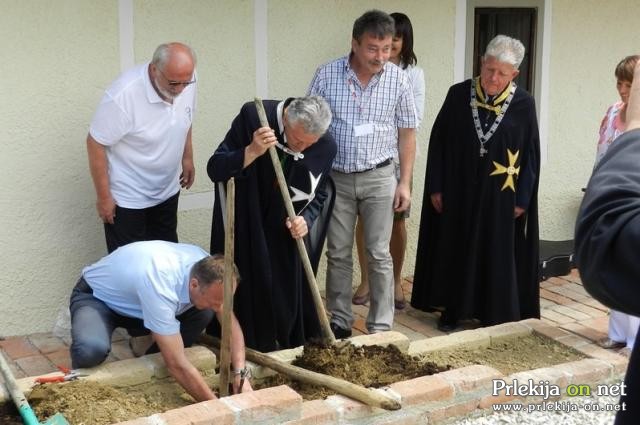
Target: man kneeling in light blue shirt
(167, 289)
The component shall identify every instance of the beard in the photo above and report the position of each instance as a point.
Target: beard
(166, 94)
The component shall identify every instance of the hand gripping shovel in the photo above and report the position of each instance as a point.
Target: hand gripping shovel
(28, 416)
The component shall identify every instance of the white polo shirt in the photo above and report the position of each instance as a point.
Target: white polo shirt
(144, 138)
(148, 280)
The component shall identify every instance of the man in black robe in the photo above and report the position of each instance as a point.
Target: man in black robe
(478, 245)
(607, 238)
(275, 307)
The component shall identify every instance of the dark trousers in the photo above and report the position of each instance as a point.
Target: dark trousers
(631, 401)
(93, 323)
(159, 222)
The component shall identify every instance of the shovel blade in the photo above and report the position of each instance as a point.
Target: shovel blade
(56, 419)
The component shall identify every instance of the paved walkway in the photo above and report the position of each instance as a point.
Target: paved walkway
(563, 300)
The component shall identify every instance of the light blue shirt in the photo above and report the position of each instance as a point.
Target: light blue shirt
(147, 280)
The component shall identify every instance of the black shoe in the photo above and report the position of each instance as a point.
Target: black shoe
(447, 323)
(339, 332)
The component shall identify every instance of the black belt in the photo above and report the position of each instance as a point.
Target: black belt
(382, 164)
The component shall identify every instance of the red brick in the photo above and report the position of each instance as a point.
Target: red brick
(267, 404)
(459, 408)
(204, 413)
(600, 324)
(556, 298)
(556, 317)
(60, 358)
(423, 389)
(569, 311)
(584, 331)
(489, 400)
(349, 409)
(617, 361)
(591, 311)
(423, 326)
(36, 365)
(596, 304)
(47, 343)
(587, 371)
(470, 378)
(316, 412)
(17, 347)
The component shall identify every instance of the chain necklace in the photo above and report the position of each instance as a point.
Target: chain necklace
(483, 138)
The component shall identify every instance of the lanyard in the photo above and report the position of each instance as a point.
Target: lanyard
(352, 90)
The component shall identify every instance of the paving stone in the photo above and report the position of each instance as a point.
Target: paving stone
(556, 298)
(596, 304)
(570, 312)
(425, 325)
(35, 365)
(47, 343)
(600, 324)
(573, 341)
(61, 358)
(584, 331)
(590, 311)
(18, 347)
(556, 317)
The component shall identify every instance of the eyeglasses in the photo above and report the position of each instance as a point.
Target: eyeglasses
(176, 83)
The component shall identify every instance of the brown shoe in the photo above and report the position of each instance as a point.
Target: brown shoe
(609, 344)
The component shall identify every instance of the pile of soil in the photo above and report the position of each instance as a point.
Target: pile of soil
(511, 355)
(92, 403)
(370, 366)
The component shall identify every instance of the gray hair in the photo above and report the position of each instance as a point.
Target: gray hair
(312, 112)
(374, 22)
(163, 53)
(210, 270)
(506, 49)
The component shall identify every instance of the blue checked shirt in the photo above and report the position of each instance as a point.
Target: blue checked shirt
(386, 102)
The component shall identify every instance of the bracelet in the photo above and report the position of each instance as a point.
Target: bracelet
(244, 372)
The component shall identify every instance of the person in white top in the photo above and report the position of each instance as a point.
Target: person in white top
(402, 54)
(623, 327)
(139, 147)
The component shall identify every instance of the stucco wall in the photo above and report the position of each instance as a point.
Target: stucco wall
(63, 54)
(57, 56)
(588, 42)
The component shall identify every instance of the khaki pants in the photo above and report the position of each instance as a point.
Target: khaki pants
(370, 195)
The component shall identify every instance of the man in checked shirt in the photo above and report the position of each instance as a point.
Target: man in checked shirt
(374, 120)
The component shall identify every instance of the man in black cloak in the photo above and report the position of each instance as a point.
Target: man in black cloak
(478, 245)
(275, 307)
(607, 238)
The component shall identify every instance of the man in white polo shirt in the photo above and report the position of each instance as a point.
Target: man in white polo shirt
(139, 147)
(167, 289)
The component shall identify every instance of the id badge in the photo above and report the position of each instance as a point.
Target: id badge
(362, 129)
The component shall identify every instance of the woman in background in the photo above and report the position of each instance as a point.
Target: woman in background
(622, 327)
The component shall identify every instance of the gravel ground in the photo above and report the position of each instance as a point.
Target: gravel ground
(584, 415)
